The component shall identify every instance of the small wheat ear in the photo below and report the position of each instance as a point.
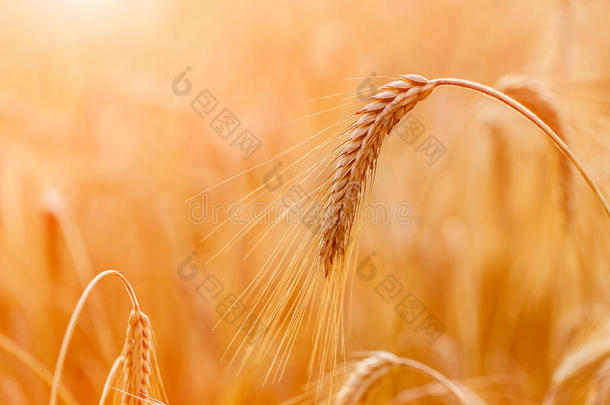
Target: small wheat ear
(379, 364)
(134, 377)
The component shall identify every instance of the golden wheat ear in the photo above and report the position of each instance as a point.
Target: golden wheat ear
(361, 378)
(134, 377)
(357, 161)
(306, 275)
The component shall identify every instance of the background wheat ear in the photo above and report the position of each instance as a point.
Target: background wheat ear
(135, 377)
(379, 364)
(538, 98)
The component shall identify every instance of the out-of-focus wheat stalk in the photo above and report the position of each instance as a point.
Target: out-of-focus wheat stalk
(54, 205)
(600, 392)
(594, 352)
(37, 367)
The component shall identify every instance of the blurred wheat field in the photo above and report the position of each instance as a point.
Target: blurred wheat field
(102, 162)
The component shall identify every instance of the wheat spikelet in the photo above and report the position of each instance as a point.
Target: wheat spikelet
(537, 98)
(379, 364)
(366, 373)
(357, 160)
(139, 355)
(135, 378)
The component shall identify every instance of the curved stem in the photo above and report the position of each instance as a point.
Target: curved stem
(117, 363)
(520, 108)
(72, 325)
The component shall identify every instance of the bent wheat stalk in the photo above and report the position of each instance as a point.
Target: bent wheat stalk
(357, 160)
(72, 325)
